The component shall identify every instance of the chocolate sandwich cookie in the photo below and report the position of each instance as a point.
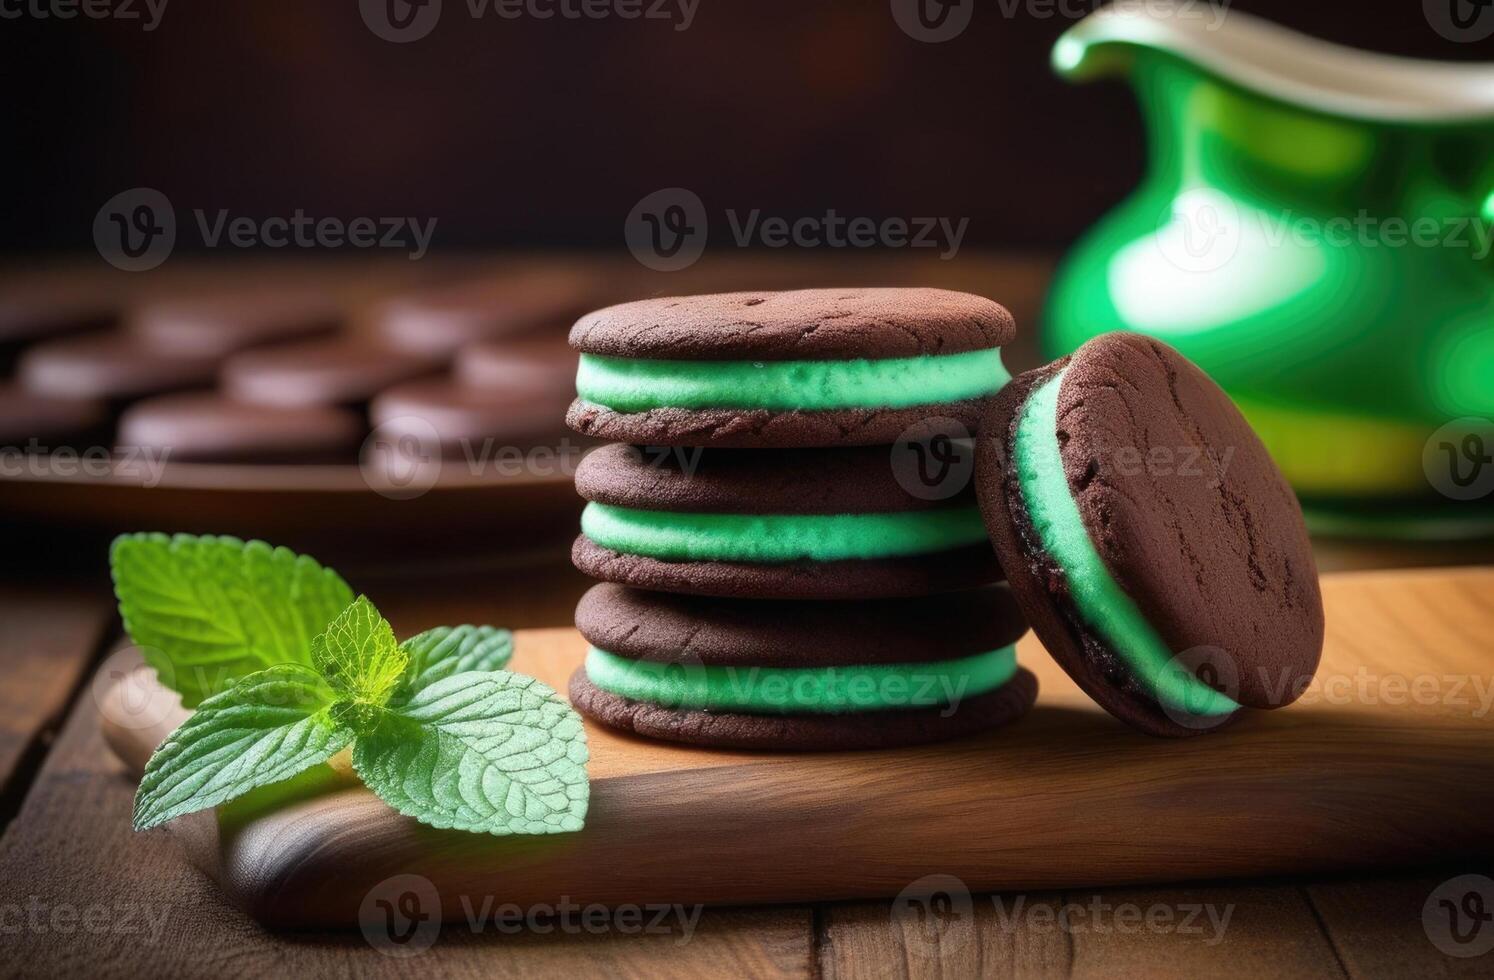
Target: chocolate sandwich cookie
(800, 676)
(808, 368)
(203, 427)
(113, 366)
(342, 370)
(787, 524)
(1156, 549)
(218, 324)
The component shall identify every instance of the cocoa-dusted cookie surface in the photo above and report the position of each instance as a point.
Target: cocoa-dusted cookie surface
(803, 368)
(943, 571)
(801, 324)
(1189, 517)
(763, 633)
(806, 733)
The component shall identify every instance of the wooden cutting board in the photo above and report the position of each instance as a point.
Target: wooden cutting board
(1388, 759)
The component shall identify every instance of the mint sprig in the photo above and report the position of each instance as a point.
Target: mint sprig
(269, 726)
(438, 730)
(205, 611)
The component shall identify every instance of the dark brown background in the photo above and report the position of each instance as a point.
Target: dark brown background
(545, 133)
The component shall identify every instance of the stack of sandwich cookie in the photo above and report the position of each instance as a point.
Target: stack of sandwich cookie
(752, 527)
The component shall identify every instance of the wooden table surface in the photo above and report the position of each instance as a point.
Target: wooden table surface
(81, 894)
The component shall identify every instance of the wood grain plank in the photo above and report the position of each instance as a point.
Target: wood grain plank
(1369, 776)
(48, 638)
(1184, 932)
(83, 895)
(1381, 928)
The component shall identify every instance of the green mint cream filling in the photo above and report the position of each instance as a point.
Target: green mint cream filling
(801, 690)
(770, 538)
(631, 385)
(1098, 598)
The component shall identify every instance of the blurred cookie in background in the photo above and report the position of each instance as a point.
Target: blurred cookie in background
(548, 361)
(115, 366)
(220, 323)
(41, 422)
(341, 370)
(206, 427)
(452, 418)
(441, 320)
(32, 312)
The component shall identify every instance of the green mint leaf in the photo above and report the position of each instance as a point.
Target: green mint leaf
(490, 752)
(205, 611)
(266, 727)
(360, 658)
(438, 653)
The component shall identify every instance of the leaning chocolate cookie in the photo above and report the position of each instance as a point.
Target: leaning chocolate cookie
(1154, 546)
(796, 676)
(807, 368)
(781, 524)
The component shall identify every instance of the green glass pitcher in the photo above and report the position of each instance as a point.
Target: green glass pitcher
(1314, 230)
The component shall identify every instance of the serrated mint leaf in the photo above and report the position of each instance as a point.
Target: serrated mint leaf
(491, 752)
(438, 653)
(205, 611)
(266, 727)
(359, 656)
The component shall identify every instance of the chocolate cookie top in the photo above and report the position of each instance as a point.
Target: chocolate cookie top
(852, 480)
(1185, 508)
(805, 324)
(785, 633)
